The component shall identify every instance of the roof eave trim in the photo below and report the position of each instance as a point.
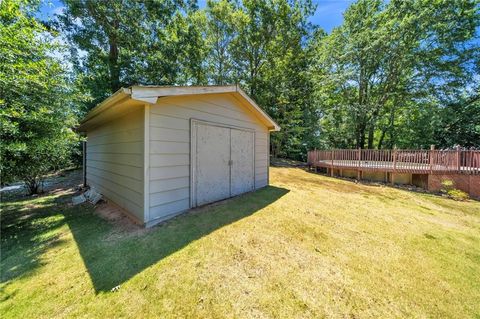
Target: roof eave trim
(144, 93)
(107, 103)
(135, 93)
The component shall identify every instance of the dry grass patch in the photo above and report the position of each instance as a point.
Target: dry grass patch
(307, 246)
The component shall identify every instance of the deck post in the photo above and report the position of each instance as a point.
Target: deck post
(431, 157)
(359, 156)
(331, 167)
(458, 159)
(392, 176)
(313, 158)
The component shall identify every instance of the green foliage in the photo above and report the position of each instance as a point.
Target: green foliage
(389, 74)
(264, 46)
(459, 122)
(448, 188)
(122, 43)
(395, 73)
(457, 194)
(36, 101)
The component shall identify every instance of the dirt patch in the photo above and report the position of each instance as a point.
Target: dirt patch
(123, 225)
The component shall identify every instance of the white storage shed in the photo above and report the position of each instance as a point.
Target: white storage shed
(158, 151)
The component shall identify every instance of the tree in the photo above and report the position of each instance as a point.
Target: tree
(122, 43)
(459, 122)
(222, 20)
(264, 46)
(272, 54)
(36, 100)
(389, 61)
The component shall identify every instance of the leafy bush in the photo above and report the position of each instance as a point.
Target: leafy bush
(457, 194)
(36, 110)
(30, 161)
(448, 188)
(447, 184)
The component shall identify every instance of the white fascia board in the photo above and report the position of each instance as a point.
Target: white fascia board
(150, 95)
(150, 92)
(108, 102)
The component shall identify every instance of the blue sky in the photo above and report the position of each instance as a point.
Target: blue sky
(329, 13)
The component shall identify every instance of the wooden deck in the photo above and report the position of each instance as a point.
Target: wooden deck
(399, 161)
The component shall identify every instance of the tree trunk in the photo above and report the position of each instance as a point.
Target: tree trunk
(113, 65)
(371, 127)
(371, 131)
(360, 135)
(380, 141)
(390, 127)
(32, 185)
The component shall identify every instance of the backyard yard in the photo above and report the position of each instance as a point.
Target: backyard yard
(305, 246)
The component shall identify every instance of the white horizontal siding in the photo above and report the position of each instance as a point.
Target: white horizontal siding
(167, 172)
(173, 195)
(112, 167)
(163, 147)
(160, 160)
(115, 161)
(261, 171)
(173, 112)
(170, 146)
(129, 135)
(162, 185)
(168, 134)
(134, 160)
(117, 178)
(118, 148)
(261, 183)
(131, 195)
(166, 210)
(163, 121)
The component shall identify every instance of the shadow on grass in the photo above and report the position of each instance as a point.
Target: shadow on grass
(112, 258)
(29, 227)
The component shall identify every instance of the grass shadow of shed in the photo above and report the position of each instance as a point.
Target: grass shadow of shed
(112, 260)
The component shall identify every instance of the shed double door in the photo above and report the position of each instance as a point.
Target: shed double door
(223, 162)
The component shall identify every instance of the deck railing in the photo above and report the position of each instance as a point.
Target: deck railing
(399, 161)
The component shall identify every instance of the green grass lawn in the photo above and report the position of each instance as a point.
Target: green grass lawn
(306, 246)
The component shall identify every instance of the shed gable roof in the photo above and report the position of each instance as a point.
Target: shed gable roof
(150, 94)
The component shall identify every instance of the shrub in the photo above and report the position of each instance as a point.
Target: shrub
(448, 188)
(36, 111)
(457, 194)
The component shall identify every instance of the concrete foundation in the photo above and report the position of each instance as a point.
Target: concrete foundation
(375, 176)
(401, 178)
(349, 173)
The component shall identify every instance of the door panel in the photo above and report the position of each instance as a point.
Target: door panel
(212, 159)
(242, 171)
